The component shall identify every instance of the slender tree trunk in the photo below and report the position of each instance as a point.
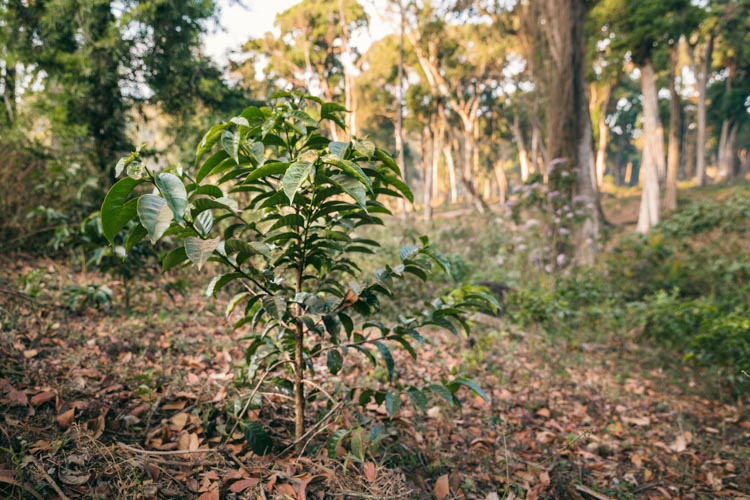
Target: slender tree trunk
(451, 167)
(744, 162)
(428, 154)
(603, 136)
(689, 154)
(523, 155)
(502, 181)
(535, 136)
(9, 91)
(649, 171)
(701, 69)
(299, 373)
(673, 150)
(726, 150)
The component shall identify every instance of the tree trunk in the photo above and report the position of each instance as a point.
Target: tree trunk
(523, 155)
(701, 69)
(726, 150)
(673, 150)
(9, 91)
(451, 166)
(569, 122)
(428, 154)
(649, 213)
(535, 136)
(603, 137)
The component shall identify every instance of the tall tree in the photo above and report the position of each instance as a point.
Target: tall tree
(568, 120)
(645, 29)
(313, 50)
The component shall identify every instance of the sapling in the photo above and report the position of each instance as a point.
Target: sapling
(279, 207)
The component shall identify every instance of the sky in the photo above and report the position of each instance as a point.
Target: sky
(240, 23)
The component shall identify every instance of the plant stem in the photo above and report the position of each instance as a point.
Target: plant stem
(299, 388)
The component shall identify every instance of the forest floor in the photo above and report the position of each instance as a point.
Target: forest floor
(138, 404)
(105, 404)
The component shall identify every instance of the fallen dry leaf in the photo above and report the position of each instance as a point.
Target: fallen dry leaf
(16, 397)
(42, 397)
(210, 495)
(371, 472)
(72, 478)
(243, 484)
(679, 445)
(442, 488)
(65, 419)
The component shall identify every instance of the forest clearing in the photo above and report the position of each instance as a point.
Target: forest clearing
(375, 249)
(106, 400)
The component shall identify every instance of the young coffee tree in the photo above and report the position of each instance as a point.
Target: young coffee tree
(280, 208)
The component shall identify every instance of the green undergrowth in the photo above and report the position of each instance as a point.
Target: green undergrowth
(683, 290)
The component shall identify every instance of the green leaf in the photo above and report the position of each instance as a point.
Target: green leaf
(392, 403)
(337, 148)
(364, 147)
(335, 361)
(443, 392)
(273, 168)
(455, 384)
(386, 353)
(208, 141)
(173, 259)
(333, 443)
(113, 218)
(330, 111)
(210, 190)
(232, 304)
(401, 186)
(136, 234)
(407, 251)
(350, 168)
(209, 164)
(353, 188)
(257, 437)
(230, 141)
(204, 222)
(275, 305)
(175, 194)
(388, 161)
(419, 398)
(218, 282)
(198, 250)
(294, 177)
(155, 215)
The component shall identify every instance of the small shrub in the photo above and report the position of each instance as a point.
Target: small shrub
(281, 208)
(723, 340)
(676, 321)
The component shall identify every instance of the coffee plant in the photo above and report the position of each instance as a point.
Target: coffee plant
(280, 208)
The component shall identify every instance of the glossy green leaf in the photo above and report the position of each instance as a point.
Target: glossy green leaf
(294, 176)
(174, 192)
(455, 384)
(335, 361)
(112, 214)
(272, 168)
(174, 259)
(392, 403)
(199, 250)
(208, 140)
(155, 215)
(257, 437)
